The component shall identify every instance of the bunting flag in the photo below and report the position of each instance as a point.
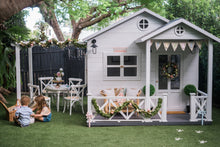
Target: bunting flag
(199, 44)
(151, 43)
(157, 44)
(174, 45)
(191, 45)
(183, 45)
(166, 45)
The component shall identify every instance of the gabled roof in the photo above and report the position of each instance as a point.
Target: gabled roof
(144, 10)
(172, 24)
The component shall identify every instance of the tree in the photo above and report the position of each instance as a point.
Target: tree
(15, 30)
(50, 18)
(10, 7)
(42, 27)
(89, 13)
(205, 14)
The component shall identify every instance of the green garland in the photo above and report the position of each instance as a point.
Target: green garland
(48, 43)
(142, 112)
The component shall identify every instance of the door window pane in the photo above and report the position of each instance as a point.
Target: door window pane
(130, 60)
(113, 60)
(175, 83)
(113, 71)
(130, 71)
(163, 59)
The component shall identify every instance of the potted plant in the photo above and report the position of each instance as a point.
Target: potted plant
(152, 90)
(187, 90)
(59, 74)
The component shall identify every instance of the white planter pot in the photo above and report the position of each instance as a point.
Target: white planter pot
(58, 78)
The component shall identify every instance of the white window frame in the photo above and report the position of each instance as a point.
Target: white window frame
(138, 24)
(177, 29)
(122, 77)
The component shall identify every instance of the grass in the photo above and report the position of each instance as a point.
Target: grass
(65, 130)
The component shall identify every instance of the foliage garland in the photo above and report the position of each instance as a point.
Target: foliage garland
(142, 112)
(48, 43)
(170, 74)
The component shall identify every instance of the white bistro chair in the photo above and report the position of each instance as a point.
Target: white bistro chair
(44, 82)
(74, 81)
(76, 95)
(35, 91)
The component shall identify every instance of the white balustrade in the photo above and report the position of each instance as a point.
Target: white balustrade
(198, 103)
(128, 115)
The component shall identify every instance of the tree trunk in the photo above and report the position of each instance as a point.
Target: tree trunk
(10, 7)
(76, 33)
(50, 18)
(76, 30)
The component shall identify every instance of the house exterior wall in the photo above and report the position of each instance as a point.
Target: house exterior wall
(122, 36)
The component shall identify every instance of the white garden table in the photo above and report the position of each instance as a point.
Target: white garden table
(57, 89)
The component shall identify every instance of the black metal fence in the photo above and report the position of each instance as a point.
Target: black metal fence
(48, 61)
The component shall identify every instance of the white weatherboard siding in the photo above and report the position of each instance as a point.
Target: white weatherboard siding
(122, 36)
(189, 34)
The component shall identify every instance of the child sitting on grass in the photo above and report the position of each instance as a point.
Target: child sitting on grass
(43, 112)
(23, 114)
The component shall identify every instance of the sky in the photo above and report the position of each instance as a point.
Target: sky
(34, 16)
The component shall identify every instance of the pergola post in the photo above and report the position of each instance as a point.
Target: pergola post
(209, 80)
(147, 90)
(30, 65)
(18, 70)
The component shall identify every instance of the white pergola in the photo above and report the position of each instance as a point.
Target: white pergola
(30, 68)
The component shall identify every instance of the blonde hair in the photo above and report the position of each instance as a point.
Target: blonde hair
(41, 102)
(25, 100)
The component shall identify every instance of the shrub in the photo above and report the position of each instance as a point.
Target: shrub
(152, 89)
(189, 89)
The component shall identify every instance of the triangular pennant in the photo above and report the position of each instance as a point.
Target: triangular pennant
(191, 45)
(157, 44)
(166, 45)
(199, 44)
(183, 45)
(151, 42)
(174, 45)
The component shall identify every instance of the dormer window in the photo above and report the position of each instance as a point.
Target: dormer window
(179, 30)
(143, 24)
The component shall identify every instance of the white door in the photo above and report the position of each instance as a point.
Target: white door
(169, 85)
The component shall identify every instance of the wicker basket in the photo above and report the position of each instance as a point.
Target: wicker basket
(10, 112)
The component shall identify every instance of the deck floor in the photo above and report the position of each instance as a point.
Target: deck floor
(172, 119)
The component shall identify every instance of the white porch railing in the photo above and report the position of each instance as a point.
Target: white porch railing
(146, 103)
(198, 106)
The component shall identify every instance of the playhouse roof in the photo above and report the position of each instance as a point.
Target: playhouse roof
(144, 10)
(172, 24)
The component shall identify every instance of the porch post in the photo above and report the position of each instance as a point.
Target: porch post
(209, 80)
(18, 71)
(147, 90)
(30, 66)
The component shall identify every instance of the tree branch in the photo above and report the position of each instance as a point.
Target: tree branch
(10, 7)
(90, 22)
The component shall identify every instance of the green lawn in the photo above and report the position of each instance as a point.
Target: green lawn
(65, 130)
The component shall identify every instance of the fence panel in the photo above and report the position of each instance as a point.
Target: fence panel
(47, 61)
